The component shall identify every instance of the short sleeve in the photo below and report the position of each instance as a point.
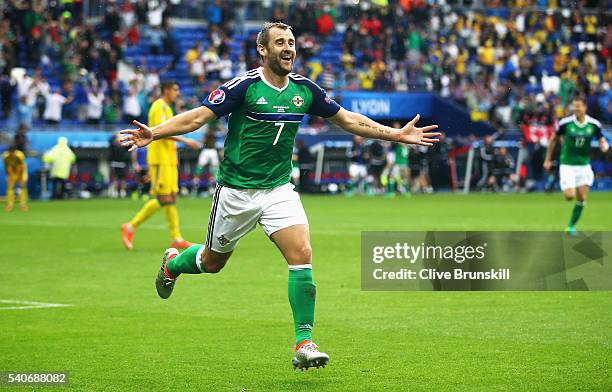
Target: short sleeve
(322, 104)
(598, 132)
(561, 128)
(225, 100)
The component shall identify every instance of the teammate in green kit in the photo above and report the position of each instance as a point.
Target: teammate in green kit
(575, 173)
(265, 107)
(395, 175)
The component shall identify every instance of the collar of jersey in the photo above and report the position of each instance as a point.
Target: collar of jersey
(586, 121)
(263, 79)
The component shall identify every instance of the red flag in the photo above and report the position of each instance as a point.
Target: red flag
(536, 133)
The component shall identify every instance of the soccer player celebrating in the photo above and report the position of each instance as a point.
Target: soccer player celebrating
(266, 106)
(16, 173)
(162, 160)
(575, 173)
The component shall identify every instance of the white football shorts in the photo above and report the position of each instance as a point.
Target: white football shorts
(236, 212)
(358, 170)
(208, 156)
(574, 176)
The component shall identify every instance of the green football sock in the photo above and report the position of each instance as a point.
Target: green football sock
(186, 263)
(391, 186)
(302, 293)
(576, 212)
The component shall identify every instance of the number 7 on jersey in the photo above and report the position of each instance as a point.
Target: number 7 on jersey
(280, 126)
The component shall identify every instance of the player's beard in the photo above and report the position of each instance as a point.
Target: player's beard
(274, 62)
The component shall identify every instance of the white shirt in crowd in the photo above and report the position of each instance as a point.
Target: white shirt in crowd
(225, 68)
(131, 106)
(197, 67)
(26, 87)
(53, 107)
(155, 14)
(151, 81)
(94, 108)
(211, 58)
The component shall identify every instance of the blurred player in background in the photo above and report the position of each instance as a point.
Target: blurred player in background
(162, 159)
(16, 174)
(141, 170)
(358, 169)
(209, 158)
(395, 173)
(575, 174)
(119, 160)
(376, 165)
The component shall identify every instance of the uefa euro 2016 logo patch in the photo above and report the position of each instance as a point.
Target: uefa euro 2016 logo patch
(298, 101)
(216, 97)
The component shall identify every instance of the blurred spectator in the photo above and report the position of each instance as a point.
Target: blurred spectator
(112, 18)
(211, 61)
(225, 68)
(503, 175)
(20, 140)
(486, 152)
(95, 97)
(328, 78)
(131, 105)
(54, 101)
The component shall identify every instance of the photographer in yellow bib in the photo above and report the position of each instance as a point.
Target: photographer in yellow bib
(162, 159)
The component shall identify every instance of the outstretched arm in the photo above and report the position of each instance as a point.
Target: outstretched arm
(361, 125)
(177, 125)
(193, 144)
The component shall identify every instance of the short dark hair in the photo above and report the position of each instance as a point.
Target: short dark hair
(168, 84)
(263, 37)
(581, 98)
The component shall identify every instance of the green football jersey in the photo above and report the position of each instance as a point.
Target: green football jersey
(401, 154)
(262, 125)
(577, 139)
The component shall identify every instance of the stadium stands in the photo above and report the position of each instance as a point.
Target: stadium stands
(506, 63)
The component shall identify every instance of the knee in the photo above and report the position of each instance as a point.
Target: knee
(569, 197)
(301, 255)
(213, 268)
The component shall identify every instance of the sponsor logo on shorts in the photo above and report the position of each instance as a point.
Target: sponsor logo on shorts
(222, 240)
(216, 97)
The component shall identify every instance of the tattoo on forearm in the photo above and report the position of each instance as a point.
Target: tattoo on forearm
(374, 128)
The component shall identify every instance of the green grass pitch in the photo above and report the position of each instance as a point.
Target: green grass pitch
(233, 331)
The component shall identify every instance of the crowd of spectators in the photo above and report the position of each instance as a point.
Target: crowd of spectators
(504, 65)
(506, 62)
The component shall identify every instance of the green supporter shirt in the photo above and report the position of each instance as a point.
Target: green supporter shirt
(262, 125)
(577, 139)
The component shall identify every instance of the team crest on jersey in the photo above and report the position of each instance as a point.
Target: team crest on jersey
(298, 101)
(216, 97)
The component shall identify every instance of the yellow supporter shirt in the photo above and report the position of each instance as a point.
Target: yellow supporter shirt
(161, 152)
(487, 55)
(14, 165)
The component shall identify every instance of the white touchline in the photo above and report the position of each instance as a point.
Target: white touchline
(28, 305)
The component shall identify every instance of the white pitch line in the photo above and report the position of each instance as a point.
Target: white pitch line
(28, 305)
